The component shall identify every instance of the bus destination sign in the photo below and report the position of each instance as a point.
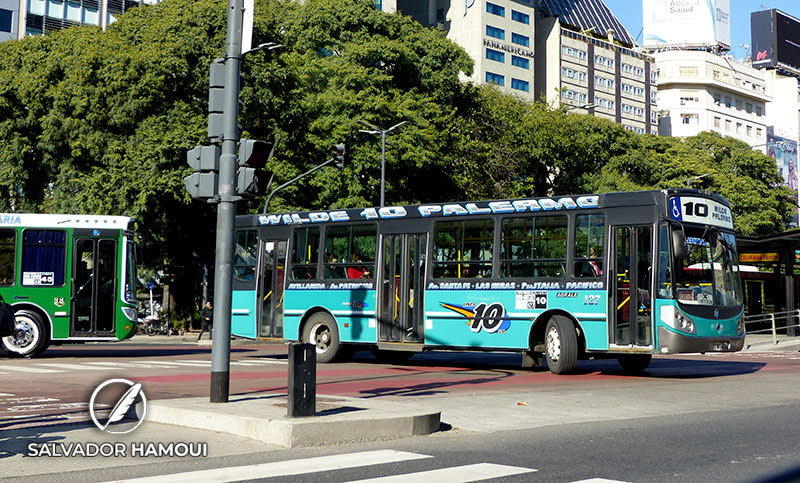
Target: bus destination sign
(693, 209)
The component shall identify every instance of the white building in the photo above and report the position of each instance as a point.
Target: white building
(783, 112)
(19, 18)
(700, 91)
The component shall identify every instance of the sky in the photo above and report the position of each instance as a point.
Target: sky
(629, 12)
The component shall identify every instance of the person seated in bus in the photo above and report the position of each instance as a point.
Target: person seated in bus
(357, 271)
(332, 270)
(596, 263)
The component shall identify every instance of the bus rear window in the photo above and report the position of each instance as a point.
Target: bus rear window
(43, 257)
(8, 251)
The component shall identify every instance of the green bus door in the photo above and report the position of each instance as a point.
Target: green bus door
(94, 287)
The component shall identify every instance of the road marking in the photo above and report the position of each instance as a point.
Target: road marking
(287, 468)
(71, 367)
(35, 370)
(456, 474)
(4, 394)
(266, 361)
(599, 480)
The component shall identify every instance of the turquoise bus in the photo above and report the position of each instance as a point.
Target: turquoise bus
(70, 279)
(616, 275)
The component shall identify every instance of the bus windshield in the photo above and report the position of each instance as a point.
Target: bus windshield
(709, 274)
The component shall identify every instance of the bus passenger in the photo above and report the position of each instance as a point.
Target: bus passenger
(357, 271)
(331, 268)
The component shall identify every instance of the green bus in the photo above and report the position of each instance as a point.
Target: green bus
(70, 279)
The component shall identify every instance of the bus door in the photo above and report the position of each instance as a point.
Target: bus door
(400, 307)
(94, 286)
(630, 310)
(270, 288)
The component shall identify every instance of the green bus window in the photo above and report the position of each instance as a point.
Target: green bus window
(588, 250)
(534, 247)
(463, 249)
(8, 251)
(305, 252)
(44, 257)
(245, 255)
(350, 251)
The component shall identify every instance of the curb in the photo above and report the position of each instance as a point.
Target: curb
(341, 420)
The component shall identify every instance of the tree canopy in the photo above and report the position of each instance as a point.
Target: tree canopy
(99, 122)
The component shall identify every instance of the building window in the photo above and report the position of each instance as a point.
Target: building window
(520, 62)
(36, 7)
(495, 32)
(717, 122)
(497, 79)
(727, 101)
(523, 40)
(758, 132)
(738, 105)
(749, 130)
(688, 71)
(520, 85)
(520, 17)
(653, 117)
(495, 9)
(748, 107)
(495, 55)
(653, 97)
(690, 119)
(738, 128)
(758, 110)
(5, 20)
(727, 124)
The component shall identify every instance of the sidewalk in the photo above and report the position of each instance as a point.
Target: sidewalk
(264, 418)
(766, 343)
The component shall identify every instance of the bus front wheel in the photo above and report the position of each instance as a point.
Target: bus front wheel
(320, 329)
(561, 344)
(30, 337)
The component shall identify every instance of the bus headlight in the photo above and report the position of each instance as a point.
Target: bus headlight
(130, 313)
(740, 325)
(676, 319)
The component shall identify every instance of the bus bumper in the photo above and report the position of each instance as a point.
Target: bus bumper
(672, 343)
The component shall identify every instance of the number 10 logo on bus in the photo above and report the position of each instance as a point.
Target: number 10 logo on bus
(489, 317)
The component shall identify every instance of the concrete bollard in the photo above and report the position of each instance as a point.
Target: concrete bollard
(302, 400)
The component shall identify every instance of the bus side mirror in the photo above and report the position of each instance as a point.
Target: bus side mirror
(679, 244)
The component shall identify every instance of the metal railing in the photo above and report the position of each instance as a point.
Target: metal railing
(776, 320)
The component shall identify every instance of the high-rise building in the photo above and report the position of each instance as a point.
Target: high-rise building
(568, 52)
(19, 18)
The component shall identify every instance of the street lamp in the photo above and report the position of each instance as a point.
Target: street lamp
(337, 152)
(581, 106)
(376, 130)
(689, 181)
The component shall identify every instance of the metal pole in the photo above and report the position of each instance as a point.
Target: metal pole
(226, 210)
(383, 168)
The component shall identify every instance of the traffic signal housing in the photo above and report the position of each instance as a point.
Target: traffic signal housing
(338, 151)
(203, 183)
(251, 179)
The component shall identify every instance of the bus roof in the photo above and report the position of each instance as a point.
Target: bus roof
(64, 221)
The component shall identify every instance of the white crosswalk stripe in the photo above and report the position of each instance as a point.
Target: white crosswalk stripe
(455, 474)
(69, 367)
(266, 361)
(33, 370)
(287, 468)
(599, 480)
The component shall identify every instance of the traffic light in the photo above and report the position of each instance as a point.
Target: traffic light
(204, 160)
(251, 179)
(337, 151)
(216, 100)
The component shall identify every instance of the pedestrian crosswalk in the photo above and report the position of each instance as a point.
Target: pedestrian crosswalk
(30, 367)
(357, 460)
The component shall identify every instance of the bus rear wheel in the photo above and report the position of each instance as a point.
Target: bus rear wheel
(561, 345)
(30, 337)
(320, 329)
(634, 363)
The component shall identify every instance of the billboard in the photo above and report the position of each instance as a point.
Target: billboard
(775, 40)
(784, 151)
(686, 23)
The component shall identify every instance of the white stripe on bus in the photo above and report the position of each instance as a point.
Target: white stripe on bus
(286, 468)
(456, 474)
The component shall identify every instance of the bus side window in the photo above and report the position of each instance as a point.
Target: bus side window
(305, 250)
(8, 251)
(588, 249)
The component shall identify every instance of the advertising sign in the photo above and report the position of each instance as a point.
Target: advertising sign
(686, 23)
(775, 40)
(785, 153)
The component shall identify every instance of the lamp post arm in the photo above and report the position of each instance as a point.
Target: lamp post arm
(284, 185)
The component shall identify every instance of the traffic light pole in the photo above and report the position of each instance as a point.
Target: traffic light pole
(226, 209)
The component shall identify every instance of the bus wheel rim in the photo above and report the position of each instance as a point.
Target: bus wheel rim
(553, 345)
(321, 337)
(25, 334)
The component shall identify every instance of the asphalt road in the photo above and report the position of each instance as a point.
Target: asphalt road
(727, 417)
